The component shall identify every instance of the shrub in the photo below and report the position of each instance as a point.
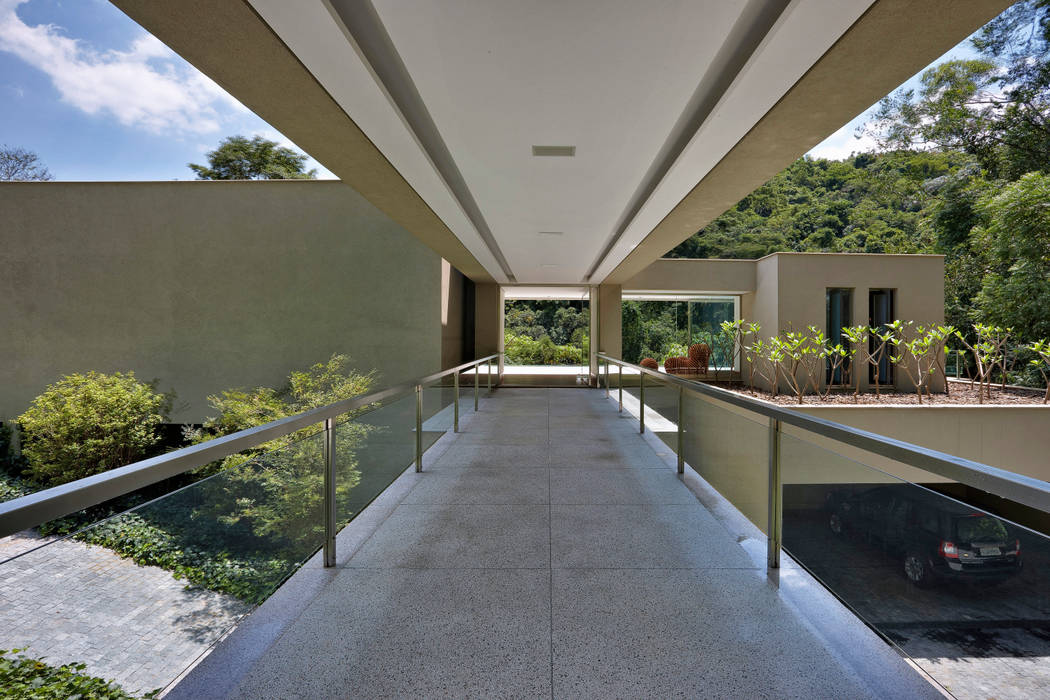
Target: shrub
(89, 423)
(23, 677)
(522, 350)
(278, 497)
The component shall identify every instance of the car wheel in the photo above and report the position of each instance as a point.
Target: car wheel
(917, 570)
(835, 523)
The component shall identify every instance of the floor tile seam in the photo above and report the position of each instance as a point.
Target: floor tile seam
(550, 550)
(658, 568)
(444, 568)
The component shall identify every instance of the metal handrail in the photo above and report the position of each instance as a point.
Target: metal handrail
(1000, 482)
(40, 507)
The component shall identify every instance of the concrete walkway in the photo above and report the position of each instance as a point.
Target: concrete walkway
(549, 551)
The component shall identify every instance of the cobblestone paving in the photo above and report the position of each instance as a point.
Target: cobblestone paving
(136, 625)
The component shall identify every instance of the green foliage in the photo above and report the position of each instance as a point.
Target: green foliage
(24, 678)
(238, 158)
(522, 350)
(546, 332)
(89, 423)
(11, 487)
(201, 550)
(993, 107)
(281, 494)
(1016, 248)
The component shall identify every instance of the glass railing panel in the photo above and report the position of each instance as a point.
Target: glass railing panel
(661, 410)
(372, 450)
(438, 410)
(140, 596)
(729, 448)
(963, 590)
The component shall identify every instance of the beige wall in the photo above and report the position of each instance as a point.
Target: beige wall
(488, 319)
(804, 278)
(207, 286)
(610, 322)
(452, 302)
(787, 291)
(1015, 438)
(697, 276)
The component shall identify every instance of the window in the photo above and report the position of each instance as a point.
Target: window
(840, 315)
(880, 314)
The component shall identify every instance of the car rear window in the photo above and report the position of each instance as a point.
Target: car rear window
(980, 528)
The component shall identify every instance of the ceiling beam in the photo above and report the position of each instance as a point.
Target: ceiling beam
(227, 41)
(892, 41)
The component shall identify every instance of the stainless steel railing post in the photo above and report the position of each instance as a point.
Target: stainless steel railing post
(776, 499)
(455, 400)
(329, 492)
(488, 366)
(606, 378)
(641, 402)
(681, 430)
(477, 377)
(621, 387)
(419, 427)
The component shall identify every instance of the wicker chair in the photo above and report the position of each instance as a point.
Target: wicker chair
(678, 365)
(700, 354)
(649, 363)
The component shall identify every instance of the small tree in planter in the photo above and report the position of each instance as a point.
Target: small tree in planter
(752, 352)
(726, 343)
(814, 354)
(838, 357)
(761, 359)
(921, 352)
(987, 351)
(792, 351)
(1042, 362)
(858, 338)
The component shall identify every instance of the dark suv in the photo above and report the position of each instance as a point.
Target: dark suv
(935, 537)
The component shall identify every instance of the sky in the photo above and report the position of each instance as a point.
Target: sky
(98, 98)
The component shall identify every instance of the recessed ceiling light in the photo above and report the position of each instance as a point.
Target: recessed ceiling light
(551, 233)
(549, 265)
(554, 151)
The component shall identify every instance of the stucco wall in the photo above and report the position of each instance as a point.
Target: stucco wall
(804, 278)
(207, 285)
(693, 275)
(1015, 438)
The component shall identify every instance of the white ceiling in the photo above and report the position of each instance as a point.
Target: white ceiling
(614, 78)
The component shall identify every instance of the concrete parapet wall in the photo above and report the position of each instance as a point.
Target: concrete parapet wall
(207, 286)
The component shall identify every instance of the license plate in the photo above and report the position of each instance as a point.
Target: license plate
(989, 551)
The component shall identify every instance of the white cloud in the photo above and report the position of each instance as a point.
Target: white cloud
(148, 86)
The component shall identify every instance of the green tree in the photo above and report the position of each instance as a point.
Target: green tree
(1016, 243)
(89, 423)
(994, 107)
(238, 158)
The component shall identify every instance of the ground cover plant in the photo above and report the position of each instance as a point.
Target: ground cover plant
(25, 678)
(242, 525)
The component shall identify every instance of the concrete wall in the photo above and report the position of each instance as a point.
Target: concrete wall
(696, 276)
(804, 278)
(610, 320)
(488, 320)
(787, 291)
(1015, 438)
(207, 286)
(453, 300)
